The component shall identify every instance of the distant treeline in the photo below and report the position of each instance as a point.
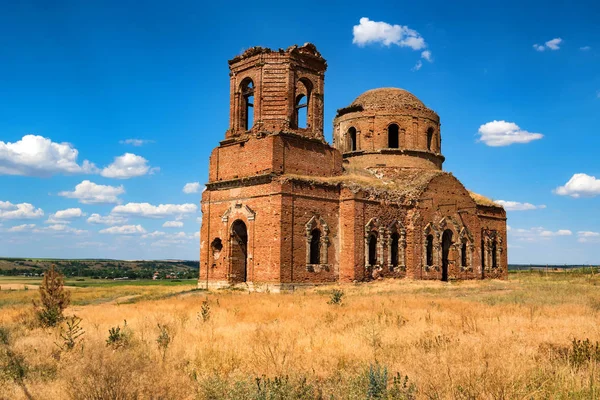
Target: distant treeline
(101, 268)
(550, 266)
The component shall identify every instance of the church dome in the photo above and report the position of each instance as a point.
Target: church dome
(389, 99)
(389, 126)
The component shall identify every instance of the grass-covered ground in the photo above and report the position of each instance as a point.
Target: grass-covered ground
(524, 338)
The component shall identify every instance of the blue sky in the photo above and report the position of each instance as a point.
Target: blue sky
(81, 79)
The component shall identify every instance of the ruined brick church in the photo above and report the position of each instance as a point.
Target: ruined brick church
(283, 208)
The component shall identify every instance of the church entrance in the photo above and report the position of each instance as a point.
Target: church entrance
(239, 251)
(446, 244)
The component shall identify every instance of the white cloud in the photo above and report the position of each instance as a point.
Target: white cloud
(173, 224)
(553, 44)
(588, 237)
(192, 187)
(166, 240)
(153, 234)
(91, 193)
(368, 32)
(22, 228)
(136, 142)
(560, 232)
(127, 166)
(538, 233)
(199, 220)
(124, 230)
(19, 211)
(39, 156)
(106, 220)
(516, 206)
(502, 133)
(580, 185)
(64, 216)
(585, 48)
(60, 228)
(150, 211)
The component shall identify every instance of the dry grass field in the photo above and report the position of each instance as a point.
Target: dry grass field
(524, 338)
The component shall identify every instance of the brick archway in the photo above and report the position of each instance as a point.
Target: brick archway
(239, 252)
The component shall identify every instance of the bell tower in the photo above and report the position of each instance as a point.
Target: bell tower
(277, 91)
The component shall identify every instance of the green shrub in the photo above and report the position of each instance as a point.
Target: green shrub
(118, 337)
(71, 334)
(336, 297)
(583, 351)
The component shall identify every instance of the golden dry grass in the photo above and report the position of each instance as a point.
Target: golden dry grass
(468, 340)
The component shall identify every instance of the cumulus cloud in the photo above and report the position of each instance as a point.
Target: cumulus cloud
(580, 185)
(124, 230)
(585, 48)
(106, 220)
(516, 206)
(369, 32)
(192, 187)
(153, 234)
(39, 156)
(60, 228)
(588, 237)
(22, 228)
(91, 193)
(173, 224)
(19, 211)
(553, 44)
(127, 166)
(65, 216)
(502, 133)
(136, 142)
(166, 240)
(150, 211)
(538, 233)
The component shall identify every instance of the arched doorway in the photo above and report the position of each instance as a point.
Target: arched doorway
(446, 244)
(239, 251)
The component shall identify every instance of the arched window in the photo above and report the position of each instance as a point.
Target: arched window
(301, 111)
(315, 246)
(302, 103)
(352, 138)
(463, 255)
(247, 104)
(393, 139)
(373, 249)
(394, 248)
(482, 254)
(494, 255)
(429, 246)
(429, 138)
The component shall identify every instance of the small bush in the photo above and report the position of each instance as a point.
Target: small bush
(53, 298)
(336, 297)
(378, 378)
(583, 351)
(164, 339)
(71, 334)
(118, 337)
(204, 311)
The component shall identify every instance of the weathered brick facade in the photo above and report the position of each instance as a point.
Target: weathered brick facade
(283, 208)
